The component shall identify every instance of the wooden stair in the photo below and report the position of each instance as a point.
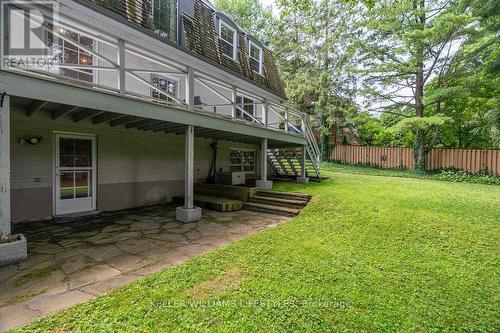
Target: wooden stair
(281, 203)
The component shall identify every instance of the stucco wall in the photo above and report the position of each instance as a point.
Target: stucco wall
(134, 168)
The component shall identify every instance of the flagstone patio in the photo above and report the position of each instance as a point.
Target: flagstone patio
(74, 262)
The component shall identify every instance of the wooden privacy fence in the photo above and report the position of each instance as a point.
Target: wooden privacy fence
(471, 160)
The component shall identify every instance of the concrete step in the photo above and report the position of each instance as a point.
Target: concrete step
(271, 209)
(284, 195)
(217, 203)
(294, 203)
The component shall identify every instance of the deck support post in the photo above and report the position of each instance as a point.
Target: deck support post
(263, 183)
(188, 213)
(303, 157)
(12, 247)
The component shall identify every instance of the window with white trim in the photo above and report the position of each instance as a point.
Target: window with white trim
(163, 84)
(228, 40)
(246, 104)
(255, 55)
(242, 160)
(66, 50)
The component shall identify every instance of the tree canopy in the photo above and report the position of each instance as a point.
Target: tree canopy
(420, 73)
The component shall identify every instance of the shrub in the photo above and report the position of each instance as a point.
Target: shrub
(457, 175)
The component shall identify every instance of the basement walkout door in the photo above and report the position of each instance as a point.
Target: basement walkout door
(75, 174)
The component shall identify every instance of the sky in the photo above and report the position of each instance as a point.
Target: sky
(267, 3)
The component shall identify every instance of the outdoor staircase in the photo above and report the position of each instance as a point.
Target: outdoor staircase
(285, 162)
(281, 203)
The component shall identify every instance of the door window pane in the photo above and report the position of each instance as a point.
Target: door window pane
(75, 153)
(82, 184)
(67, 190)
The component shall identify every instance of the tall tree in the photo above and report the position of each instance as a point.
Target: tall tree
(405, 45)
(314, 51)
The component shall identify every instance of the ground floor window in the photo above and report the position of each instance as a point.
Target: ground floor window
(242, 160)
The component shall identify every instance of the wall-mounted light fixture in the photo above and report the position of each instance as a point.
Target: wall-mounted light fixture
(30, 141)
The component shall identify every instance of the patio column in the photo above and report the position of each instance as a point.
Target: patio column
(303, 157)
(188, 213)
(13, 248)
(263, 183)
(5, 169)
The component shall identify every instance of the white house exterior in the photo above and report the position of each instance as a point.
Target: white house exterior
(125, 116)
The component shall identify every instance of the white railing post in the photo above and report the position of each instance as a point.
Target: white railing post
(190, 88)
(286, 119)
(265, 112)
(234, 97)
(121, 69)
(303, 124)
(5, 169)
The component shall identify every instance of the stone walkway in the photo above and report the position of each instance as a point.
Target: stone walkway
(72, 263)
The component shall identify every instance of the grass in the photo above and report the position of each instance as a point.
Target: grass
(368, 254)
(445, 175)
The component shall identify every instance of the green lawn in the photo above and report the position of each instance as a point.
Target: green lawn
(369, 253)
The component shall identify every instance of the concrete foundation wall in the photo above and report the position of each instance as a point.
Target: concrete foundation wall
(134, 168)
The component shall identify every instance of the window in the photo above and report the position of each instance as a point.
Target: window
(228, 39)
(164, 84)
(255, 54)
(242, 160)
(246, 104)
(165, 18)
(67, 52)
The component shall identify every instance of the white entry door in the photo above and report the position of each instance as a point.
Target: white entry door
(75, 174)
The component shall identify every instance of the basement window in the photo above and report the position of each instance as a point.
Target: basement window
(228, 38)
(242, 160)
(255, 54)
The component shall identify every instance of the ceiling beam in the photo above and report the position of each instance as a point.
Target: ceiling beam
(124, 120)
(137, 123)
(63, 110)
(153, 124)
(107, 116)
(85, 114)
(35, 106)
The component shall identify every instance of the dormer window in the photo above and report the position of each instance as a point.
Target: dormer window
(255, 54)
(228, 38)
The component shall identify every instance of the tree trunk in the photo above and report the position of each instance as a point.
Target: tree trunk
(419, 145)
(325, 138)
(419, 151)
